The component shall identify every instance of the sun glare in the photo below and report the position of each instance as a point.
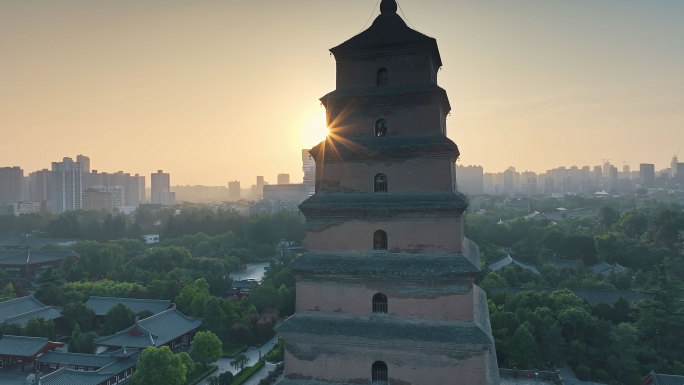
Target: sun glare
(313, 129)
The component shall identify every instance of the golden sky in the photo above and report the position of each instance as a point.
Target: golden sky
(218, 90)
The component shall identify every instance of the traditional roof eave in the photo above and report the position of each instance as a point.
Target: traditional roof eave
(388, 33)
(383, 331)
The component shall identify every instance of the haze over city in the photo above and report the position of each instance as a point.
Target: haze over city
(212, 91)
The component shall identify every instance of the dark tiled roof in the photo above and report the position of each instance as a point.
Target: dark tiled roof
(299, 381)
(508, 260)
(387, 29)
(384, 329)
(78, 359)
(31, 257)
(23, 241)
(382, 264)
(101, 305)
(666, 379)
(21, 345)
(156, 330)
(63, 376)
(20, 310)
(46, 313)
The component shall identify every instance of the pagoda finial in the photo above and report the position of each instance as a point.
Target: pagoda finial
(388, 6)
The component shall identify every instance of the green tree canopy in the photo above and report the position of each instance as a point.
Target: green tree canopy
(206, 347)
(159, 366)
(118, 318)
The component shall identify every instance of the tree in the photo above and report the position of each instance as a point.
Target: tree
(206, 347)
(193, 298)
(82, 342)
(239, 362)
(187, 361)
(78, 313)
(118, 318)
(7, 292)
(39, 327)
(159, 366)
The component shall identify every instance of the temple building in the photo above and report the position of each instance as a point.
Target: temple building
(385, 292)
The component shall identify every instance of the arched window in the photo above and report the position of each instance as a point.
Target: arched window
(380, 240)
(382, 77)
(380, 183)
(379, 373)
(381, 127)
(379, 303)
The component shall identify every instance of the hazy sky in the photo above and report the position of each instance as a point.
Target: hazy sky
(212, 91)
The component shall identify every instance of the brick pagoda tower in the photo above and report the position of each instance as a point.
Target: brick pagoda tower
(385, 293)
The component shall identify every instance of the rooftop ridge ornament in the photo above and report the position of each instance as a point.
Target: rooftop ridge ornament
(388, 6)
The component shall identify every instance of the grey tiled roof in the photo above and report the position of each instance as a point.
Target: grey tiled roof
(299, 381)
(508, 260)
(20, 310)
(156, 330)
(78, 359)
(30, 257)
(386, 329)
(101, 305)
(666, 379)
(63, 376)
(21, 345)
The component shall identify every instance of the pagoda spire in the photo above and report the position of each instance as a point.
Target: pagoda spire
(388, 6)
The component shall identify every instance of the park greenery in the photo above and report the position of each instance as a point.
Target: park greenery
(550, 326)
(200, 247)
(545, 326)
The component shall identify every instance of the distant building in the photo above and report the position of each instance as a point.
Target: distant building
(171, 328)
(85, 163)
(23, 350)
(108, 368)
(11, 179)
(24, 264)
(470, 180)
(508, 260)
(39, 186)
(309, 169)
(97, 199)
(260, 183)
(161, 189)
(102, 305)
(647, 174)
(20, 310)
(283, 178)
(234, 193)
(286, 196)
(654, 378)
(67, 186)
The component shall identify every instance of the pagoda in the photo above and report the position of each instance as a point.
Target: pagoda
(385, 292)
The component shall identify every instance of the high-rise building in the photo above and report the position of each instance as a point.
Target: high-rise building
(85, 163)
(647, 174)
(40, 184)
(161, 189)
(283, 178)
(11, 181)
(260, 182)
(234, 190)
(386, 291)
(309, 168)
(66, 186)
(470, 180)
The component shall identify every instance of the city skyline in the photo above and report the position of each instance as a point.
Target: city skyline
(216, 91)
